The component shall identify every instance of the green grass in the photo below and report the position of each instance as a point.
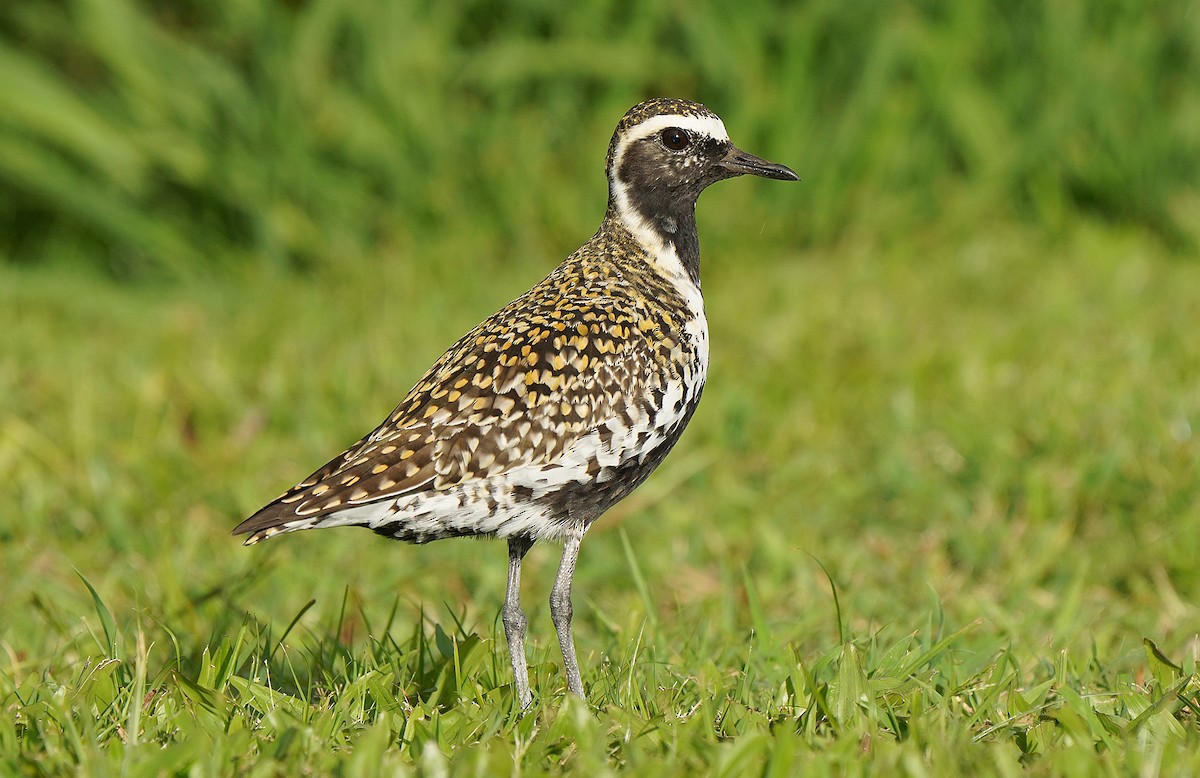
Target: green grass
(938, 514)
(987, 451)
(172, 139)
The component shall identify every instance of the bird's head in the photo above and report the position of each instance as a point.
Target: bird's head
(663, 154)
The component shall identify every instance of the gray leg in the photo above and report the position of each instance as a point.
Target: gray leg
(560, 609)
(514, 618)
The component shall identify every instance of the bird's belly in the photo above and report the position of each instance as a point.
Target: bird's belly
(543, 501)
(604, 466)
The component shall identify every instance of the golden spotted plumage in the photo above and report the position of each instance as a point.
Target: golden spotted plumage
(601, 334)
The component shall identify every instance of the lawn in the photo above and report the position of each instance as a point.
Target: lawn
(930, 509)
(938, 513)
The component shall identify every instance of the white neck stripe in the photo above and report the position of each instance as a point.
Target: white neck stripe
(634, 221)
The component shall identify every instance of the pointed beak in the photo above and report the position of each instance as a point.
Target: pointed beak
(738, 162)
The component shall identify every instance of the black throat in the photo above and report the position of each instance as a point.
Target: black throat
(672, 219)
(679, 230)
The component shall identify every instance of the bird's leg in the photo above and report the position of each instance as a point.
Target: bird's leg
(560, 608)
(514, 618)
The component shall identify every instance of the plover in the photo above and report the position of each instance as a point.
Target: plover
(542, 417)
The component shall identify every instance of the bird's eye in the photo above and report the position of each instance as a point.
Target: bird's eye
(675, 139)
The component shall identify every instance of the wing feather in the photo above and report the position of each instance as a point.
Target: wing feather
(517, 390)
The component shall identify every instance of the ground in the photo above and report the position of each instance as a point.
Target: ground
(937, 513)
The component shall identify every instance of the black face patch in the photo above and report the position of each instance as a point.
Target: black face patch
(663, 182)
(662, 186)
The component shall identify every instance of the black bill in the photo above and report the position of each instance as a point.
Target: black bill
(739, 163)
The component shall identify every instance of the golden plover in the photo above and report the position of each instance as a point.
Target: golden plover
(541, 418)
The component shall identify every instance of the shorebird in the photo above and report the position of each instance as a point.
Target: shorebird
(559, 405)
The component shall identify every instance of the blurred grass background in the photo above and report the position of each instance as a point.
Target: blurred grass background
(175, 138)
(956, 366)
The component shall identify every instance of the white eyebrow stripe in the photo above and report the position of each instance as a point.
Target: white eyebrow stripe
(708, 126)
(702, 125)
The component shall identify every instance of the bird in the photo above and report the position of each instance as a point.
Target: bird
(556, 407)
